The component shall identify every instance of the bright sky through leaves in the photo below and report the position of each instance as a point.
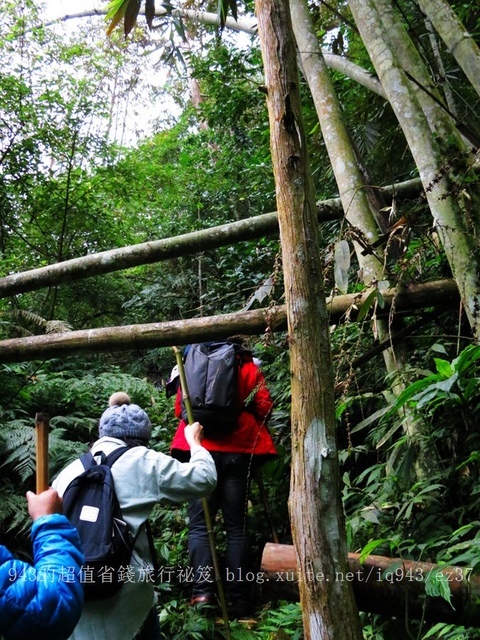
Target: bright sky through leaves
(141, 110)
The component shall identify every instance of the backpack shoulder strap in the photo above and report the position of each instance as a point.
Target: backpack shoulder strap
(115, 455)
(88, 459)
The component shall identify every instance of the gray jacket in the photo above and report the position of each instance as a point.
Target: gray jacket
(142, 478)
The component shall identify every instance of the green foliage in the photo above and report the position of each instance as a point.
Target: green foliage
(74, 405)
(434, 517)
(14, 522)
(75, 400)
(66, 191)
(18, 450)
(56, 101)
(181, 622)
(286, 617)
(454, 386)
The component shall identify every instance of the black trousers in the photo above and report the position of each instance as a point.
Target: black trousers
(230, 496)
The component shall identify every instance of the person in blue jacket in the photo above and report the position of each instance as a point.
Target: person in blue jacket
(43, 600)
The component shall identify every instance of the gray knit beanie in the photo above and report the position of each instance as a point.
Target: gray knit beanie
(123, 419)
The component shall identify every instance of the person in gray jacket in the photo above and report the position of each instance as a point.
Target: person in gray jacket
(142, 477)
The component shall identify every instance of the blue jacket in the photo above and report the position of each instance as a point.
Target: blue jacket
(43, 601)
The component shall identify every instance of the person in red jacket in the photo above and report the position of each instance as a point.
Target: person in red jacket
(236, 454)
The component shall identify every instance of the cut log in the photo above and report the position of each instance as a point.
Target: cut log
(391, 586)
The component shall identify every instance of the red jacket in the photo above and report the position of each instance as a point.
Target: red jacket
(251, 434)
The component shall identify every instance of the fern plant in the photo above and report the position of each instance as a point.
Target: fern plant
(74, 404)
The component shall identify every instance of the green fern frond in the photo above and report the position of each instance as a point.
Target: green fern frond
(14, 518)
(62, 451)
(19, 331)
(57, 326)
(17, 448)
(29, 316)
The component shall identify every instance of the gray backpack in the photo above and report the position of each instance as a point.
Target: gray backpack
(211, 371)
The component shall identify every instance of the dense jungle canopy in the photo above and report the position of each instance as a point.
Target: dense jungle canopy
(304, 174)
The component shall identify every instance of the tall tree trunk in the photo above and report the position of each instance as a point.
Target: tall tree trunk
(329, 609)
(359, 210)
(460, 43)
(436, 146)
(360, 203)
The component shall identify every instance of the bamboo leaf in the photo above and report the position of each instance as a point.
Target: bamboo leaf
(466, 358)
(443, 367)
(439, 348)
(388, 435)
(372, 418)
(414, 391)
(233, 8)
(222, 11)
(113, 7)
(116, 12)
(179, 28)
(369, 547)
(367, 305)
(149, 12)
(131, 13)
(439, 630)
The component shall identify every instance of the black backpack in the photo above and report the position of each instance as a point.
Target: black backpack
(91, 505)
(211, 371)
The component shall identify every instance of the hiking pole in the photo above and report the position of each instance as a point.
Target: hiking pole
(41, 426)
(206, 509)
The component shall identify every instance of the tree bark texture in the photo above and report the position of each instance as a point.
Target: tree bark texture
(167, 248)
(441, 294)
(360, 210)
(362, 204)
(328, 608)
(390, 586)
(459, 41)
(436, 146)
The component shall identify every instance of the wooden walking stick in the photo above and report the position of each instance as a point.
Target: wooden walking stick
(206, 510)
(41, 427)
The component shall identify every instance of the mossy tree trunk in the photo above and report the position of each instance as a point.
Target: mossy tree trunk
(361, 204)
(444, 163)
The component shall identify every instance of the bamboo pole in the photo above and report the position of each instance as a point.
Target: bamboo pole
(41, 427)
(194, 242)
(442, 295)
(206, 510)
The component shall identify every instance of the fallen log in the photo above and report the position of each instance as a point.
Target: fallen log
(113, 260)
(391, 586)
(442, 294)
